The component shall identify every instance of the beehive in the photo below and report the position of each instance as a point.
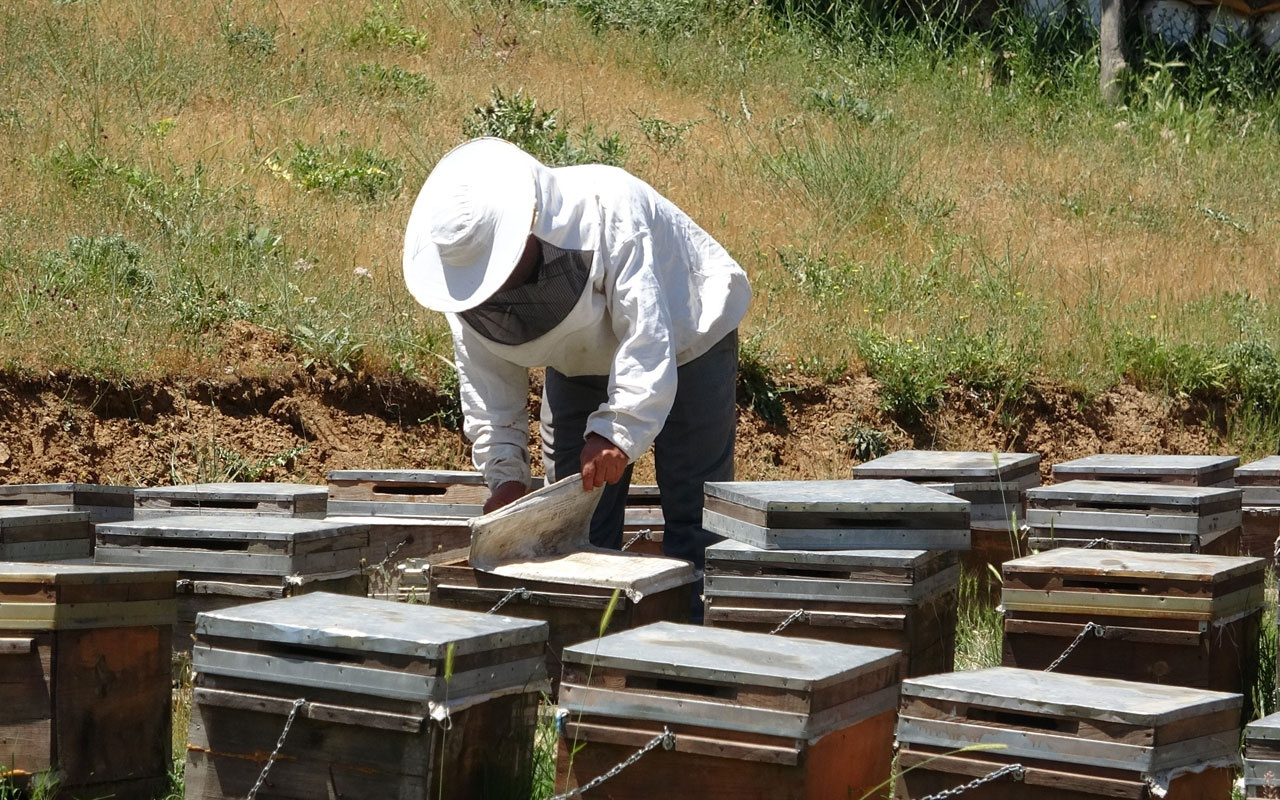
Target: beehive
(406, 492)
(1075, 737)
(753, 715)
(1262, 758)
(1191, 470)
(1168, 618)
(900, 599)
(387, 700)
(993, 483)
(1135, 516)
(572, 592)
(1259, 483)
(232, 499)
(85, 677)
(103, 503)
(225, 561)
(836, 515)
(643, 524)
(43, 534)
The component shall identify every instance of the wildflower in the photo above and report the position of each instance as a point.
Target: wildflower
(361, 272)
(302, 265)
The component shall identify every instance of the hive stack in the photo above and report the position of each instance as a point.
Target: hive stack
(643, 523)
(233, 499)
(900, 599)
(1262, 758)
(44, 534)
(1168, 618)
(993, 483)
(1160, 468)
(230, 560)
(85, 677)
(836, 515)
(1075, 737)
(103, 503)
(379, 700)
(753, 716)
(1153, 517)
(1259, 483)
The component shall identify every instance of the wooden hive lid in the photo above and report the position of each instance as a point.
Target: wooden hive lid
(64, 574)
(730, 550)
(723, 655)
(634, 574)
(1073, 696)
(1131, 564)
(246, 491)
(1112, 495)
(343, 622)
(844, 497)
(26, 516)
(1197, 468)
(233, 528)
(949, 465)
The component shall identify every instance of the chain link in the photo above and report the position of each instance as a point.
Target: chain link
(288, 723)
(640, 534)
(666, 739)
(795, 615)
(1016, 770)
(1096, 542)
(1097, 630)
(520, 591)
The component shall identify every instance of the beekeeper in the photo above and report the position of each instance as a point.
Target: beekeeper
(632, 308)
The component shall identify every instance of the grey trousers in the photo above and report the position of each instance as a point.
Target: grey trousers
(695, 446)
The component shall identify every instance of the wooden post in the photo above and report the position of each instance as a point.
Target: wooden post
(1111, 49)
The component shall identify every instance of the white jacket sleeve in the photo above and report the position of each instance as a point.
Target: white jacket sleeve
(495, 397)
(642, 380)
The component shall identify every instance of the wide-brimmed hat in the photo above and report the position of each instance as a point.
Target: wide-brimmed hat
(469, 225)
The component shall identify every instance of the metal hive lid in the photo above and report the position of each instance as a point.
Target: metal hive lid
(279, 528)
(22, 516)
(409, 476)
(1175, 496)
(325, 620)
(234, 491)
(1173, 566)
(940, 465)
(724, 655)
(731, 550)
(1145, 464)
(843, 496)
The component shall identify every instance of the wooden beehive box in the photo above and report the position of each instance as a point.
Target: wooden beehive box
(1075, 736)
(900, 599)
(406, 492)
(85, 677)
(103, 503)
(1262, 758)
(1135, 516)
(1190, 470)
(572, 592)
(394, 539)
(994, 484)
(392, 701)
(232, 499)
(43, 534)
(753, 716)
(1168, 618)
(225, 561)
(836, 515)
(1259, 483)
(643, 524)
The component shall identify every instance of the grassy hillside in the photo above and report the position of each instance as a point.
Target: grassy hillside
(912, 198)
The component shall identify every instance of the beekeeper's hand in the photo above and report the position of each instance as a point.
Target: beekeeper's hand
(602, 462)
(508, 492)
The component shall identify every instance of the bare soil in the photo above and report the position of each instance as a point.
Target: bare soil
(269, 418)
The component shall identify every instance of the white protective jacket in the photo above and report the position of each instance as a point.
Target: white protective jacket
(660, 293)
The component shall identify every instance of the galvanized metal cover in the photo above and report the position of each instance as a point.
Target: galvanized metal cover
(1142, 464)
(1264, 471)
(26, 516)
(67, 489)
(941, 465)
(1174, 566)
(1073, 696)
(1266, 728)
(241, 491)
(728, 656)
(843, 496)
(323, 619)
(409, 476)
(1113, 493)
(238, 527)
(730, 550)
